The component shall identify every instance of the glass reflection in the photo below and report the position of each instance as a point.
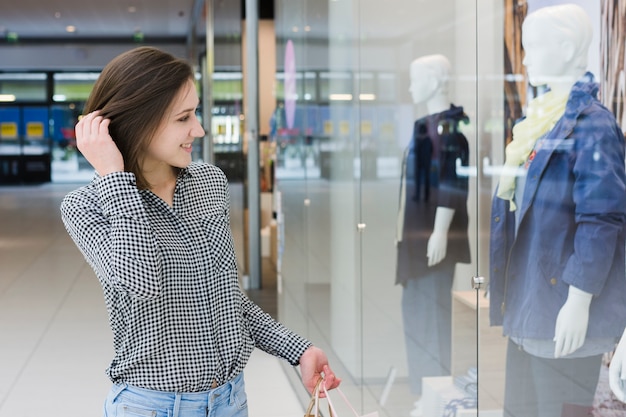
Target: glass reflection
(446, 344)
(433, 222)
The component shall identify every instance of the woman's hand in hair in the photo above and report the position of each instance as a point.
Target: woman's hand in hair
(96, 144)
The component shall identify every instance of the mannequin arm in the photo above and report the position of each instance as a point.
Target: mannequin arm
(617, 370)
(438, 241)
(571, 323)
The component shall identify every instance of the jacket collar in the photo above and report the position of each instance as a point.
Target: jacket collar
(583, 93)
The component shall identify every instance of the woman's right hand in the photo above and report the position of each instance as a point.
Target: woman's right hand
(96, 144)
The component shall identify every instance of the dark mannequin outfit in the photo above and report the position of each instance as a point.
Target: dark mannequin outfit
(436, 146)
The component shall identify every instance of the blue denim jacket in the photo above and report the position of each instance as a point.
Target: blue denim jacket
(571, 230)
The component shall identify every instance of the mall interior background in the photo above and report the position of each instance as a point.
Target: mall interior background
(337, 115)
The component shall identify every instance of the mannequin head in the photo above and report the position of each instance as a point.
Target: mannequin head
(429, 78)
(556, 40)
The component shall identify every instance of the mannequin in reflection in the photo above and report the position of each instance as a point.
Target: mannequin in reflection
(432, 222)
(557, 281)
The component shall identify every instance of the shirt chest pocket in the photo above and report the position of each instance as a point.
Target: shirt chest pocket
(220, 242)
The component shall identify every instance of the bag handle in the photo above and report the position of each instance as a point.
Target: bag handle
(315, 398)
(333, 413)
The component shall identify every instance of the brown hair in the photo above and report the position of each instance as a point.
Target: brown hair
(134, 91)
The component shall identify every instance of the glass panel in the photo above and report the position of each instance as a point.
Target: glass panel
(303, 227)
(354, 233)
(227, 127)
(227, 86)
(70, 91)
(556, 267)
(68, 164)
(20, 87)
(413, 120)
(416, 144)
(336, 86)
(73, 86)
(10, 130)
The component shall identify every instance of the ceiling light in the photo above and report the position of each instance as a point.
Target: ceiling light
(367, 97)
(132, 9)
(294, 29)
(340, 97)
(307, 28)
(57, 15)
(70, 28)
(7, 97)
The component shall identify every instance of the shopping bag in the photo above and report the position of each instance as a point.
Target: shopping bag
(314, 404)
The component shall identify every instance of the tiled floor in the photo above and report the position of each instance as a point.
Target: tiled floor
(54, 337)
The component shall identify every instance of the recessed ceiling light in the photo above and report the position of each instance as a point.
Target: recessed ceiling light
(132, 9)
(7, 97)
(340, 97)
(367, 97)
(70, 28)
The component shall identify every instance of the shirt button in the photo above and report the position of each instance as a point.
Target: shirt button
(496, 219)
(553, 281)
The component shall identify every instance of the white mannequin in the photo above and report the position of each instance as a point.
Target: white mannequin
(429, 85)
(617, 370)
(556, 41)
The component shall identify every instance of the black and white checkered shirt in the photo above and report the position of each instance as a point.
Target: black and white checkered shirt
(179, 318)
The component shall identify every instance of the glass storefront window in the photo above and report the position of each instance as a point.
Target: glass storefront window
(387, 87)
(21, 87)
(310, 86)
(227, 86)
(73, 87)
(336, 86)
(440, 296)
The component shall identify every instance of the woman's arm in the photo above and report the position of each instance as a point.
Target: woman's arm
(108, 224)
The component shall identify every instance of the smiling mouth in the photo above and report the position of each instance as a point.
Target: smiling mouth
(186, 146)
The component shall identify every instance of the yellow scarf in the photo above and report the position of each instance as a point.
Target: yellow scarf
(541, 115)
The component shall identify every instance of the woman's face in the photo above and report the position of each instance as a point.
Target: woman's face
(172, 143)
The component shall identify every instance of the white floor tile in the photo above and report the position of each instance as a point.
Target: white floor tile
(270, 394)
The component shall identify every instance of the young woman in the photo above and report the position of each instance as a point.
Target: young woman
(154, 226)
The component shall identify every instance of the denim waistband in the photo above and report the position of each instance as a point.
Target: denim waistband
(166, 399)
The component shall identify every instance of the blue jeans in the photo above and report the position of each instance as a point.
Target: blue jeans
(228, 400)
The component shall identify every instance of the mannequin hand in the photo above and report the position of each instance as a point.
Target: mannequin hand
(312, 363)
(437, 248)
(96, 145)
(617, 370)
(571, 323)
(438, 241)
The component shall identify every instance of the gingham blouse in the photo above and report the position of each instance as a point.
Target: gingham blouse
(179, 318)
